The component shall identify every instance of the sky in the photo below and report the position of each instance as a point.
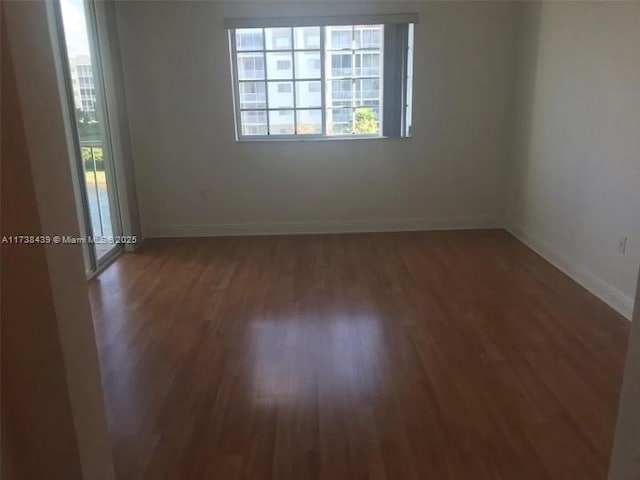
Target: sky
(75, 27)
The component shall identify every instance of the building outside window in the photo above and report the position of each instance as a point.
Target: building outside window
(311, 80)
(83, 85)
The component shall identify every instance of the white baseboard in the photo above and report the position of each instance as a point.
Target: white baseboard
(606, 292)
(338, 226)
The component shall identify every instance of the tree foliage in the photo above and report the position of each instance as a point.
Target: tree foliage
(366, 121)
(93, 157)
(306, 128)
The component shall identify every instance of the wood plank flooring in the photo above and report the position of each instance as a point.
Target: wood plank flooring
(395, 356)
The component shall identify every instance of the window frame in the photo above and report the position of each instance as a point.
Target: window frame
(353, 52)
(323, 80)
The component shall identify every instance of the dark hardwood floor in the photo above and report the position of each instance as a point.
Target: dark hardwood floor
(399, 356)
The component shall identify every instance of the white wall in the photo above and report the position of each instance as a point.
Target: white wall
(577, 163)
(193, 178)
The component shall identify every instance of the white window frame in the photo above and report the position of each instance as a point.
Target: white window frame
(396, 74)
(323, 79)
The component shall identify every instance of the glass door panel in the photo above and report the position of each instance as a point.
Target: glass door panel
(86, 90)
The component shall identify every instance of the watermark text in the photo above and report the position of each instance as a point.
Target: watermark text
(68, 239)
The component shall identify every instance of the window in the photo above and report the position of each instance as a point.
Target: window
(313, 64)
(250, 66)
(340, 64)
(249, 39)
(85, 71)
(341, 37)
(252, 95)
(322, 80)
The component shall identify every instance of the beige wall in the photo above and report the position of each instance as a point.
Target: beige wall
(194, 179)
(574, 189)
(51, 379)
(36, 407)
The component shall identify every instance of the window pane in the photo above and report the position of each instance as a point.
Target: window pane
(286, 80)
(368, 36)
(279, 66)
(309, 121)
(249, 39)
(306, 37)
(367, 64)
(250, 66)
(341, 115)
(340, 129)
(252, 95)
(280, 94)
(360, 121)
(278, 38)
(339, 37)
(340, 64)
(254, 123)
(367, 121)
(308, 65)
(339, 93)
(339, 120)
(281, 122)
(308, 94)
(367, 92)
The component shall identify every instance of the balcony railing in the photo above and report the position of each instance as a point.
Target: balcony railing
(96, 183)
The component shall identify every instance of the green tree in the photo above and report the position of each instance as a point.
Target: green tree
(91, 154)
(366, 121)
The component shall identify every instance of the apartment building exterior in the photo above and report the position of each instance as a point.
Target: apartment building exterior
(84, 90)
(282, 75)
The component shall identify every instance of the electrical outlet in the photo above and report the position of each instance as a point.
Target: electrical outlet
(622, 245)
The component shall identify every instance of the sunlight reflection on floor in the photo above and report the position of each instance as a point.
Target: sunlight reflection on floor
(307, 357)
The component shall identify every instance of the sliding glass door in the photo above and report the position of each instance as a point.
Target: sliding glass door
(96, 189)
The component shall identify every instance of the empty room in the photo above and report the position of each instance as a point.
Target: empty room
(320, 240)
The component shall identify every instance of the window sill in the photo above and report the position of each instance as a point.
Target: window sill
(290, 139)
